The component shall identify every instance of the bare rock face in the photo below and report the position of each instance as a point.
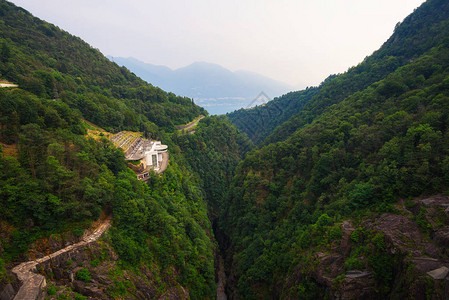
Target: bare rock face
(425, 264)
(356, 288)
(403, 233)
(441, 236)
(8, 292)
(424, 249)
(355, 285)
(439, 273)
(347, 228)
(52, 244)
(329, 267)
(91, 290)
(356, 274)
(400, 231)
(436, 200)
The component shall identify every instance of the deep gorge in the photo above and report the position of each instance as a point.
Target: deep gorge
(339, 191)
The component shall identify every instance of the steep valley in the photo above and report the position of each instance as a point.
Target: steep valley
(339, 191)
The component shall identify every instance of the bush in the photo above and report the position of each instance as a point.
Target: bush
(2, 269)
(354, 263)
(80, 297)
(335, 233)
(83, 275)
(361, 195)
(95, 262)
(382, 265)
(51, 290)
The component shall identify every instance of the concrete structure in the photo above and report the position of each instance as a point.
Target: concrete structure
(152, 155)
(156, 158)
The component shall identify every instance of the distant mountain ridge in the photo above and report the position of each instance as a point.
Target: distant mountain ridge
(212, 86)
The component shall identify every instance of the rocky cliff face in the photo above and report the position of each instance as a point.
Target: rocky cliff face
(405, 250)
(94, 272)
(65, 266)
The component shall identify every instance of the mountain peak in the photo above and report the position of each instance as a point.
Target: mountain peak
(211, 85)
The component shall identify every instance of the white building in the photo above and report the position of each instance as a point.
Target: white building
(153, 155)
(149, 154)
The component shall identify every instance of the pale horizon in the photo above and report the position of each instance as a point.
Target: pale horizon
(297, 42)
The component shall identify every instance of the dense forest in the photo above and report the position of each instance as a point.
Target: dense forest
(337, 191)
(362, 141)
(53, 64)
(55, 180)
(416, 35)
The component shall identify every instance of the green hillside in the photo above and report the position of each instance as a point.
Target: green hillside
(53, 64)
(416, 35)
(55, 180)
(344, 196)
(369, 138)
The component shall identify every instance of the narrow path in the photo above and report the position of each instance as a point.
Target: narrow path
(190, 125)
(33, 283)
(2, 85)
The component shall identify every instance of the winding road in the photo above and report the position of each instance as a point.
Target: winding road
(2, 85)
(33, 283)
(190, 125)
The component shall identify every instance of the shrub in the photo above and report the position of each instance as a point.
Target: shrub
(80, 297)
(95, 262)
(354, 263)
(335, 233)
(83, 275)
(51, 290)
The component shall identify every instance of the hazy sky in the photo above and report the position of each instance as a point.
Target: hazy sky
(300, 42)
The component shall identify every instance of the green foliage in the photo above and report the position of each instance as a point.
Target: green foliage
(359, 141)
(53, 64)
(307, 290)
(358, 235)
(421, 220)
(164, 222)
(62, 180)
(83, 275)
(361, 195)
(323, 220)
(350, 146)
(335, 233)
(94, 263)
(260, 121)
(383, 267)
(2, 270)
(79, 297)
(51, 290)
(121, 288)
(354, 263)
(213, 152)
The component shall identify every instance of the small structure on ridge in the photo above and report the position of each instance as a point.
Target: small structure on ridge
(143, 155)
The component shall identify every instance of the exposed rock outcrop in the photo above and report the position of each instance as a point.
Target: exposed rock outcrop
(32, 283)
(414, 240)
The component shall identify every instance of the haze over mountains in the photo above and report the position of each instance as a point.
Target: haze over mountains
(342, 191)
(212, 86)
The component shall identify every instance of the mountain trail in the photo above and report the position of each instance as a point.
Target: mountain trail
(191, 124)
(33, 283)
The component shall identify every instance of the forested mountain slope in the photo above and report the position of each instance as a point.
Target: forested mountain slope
(55, 180)
(258, 122)
(417, 34)
(303, 214)
(53, 64)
